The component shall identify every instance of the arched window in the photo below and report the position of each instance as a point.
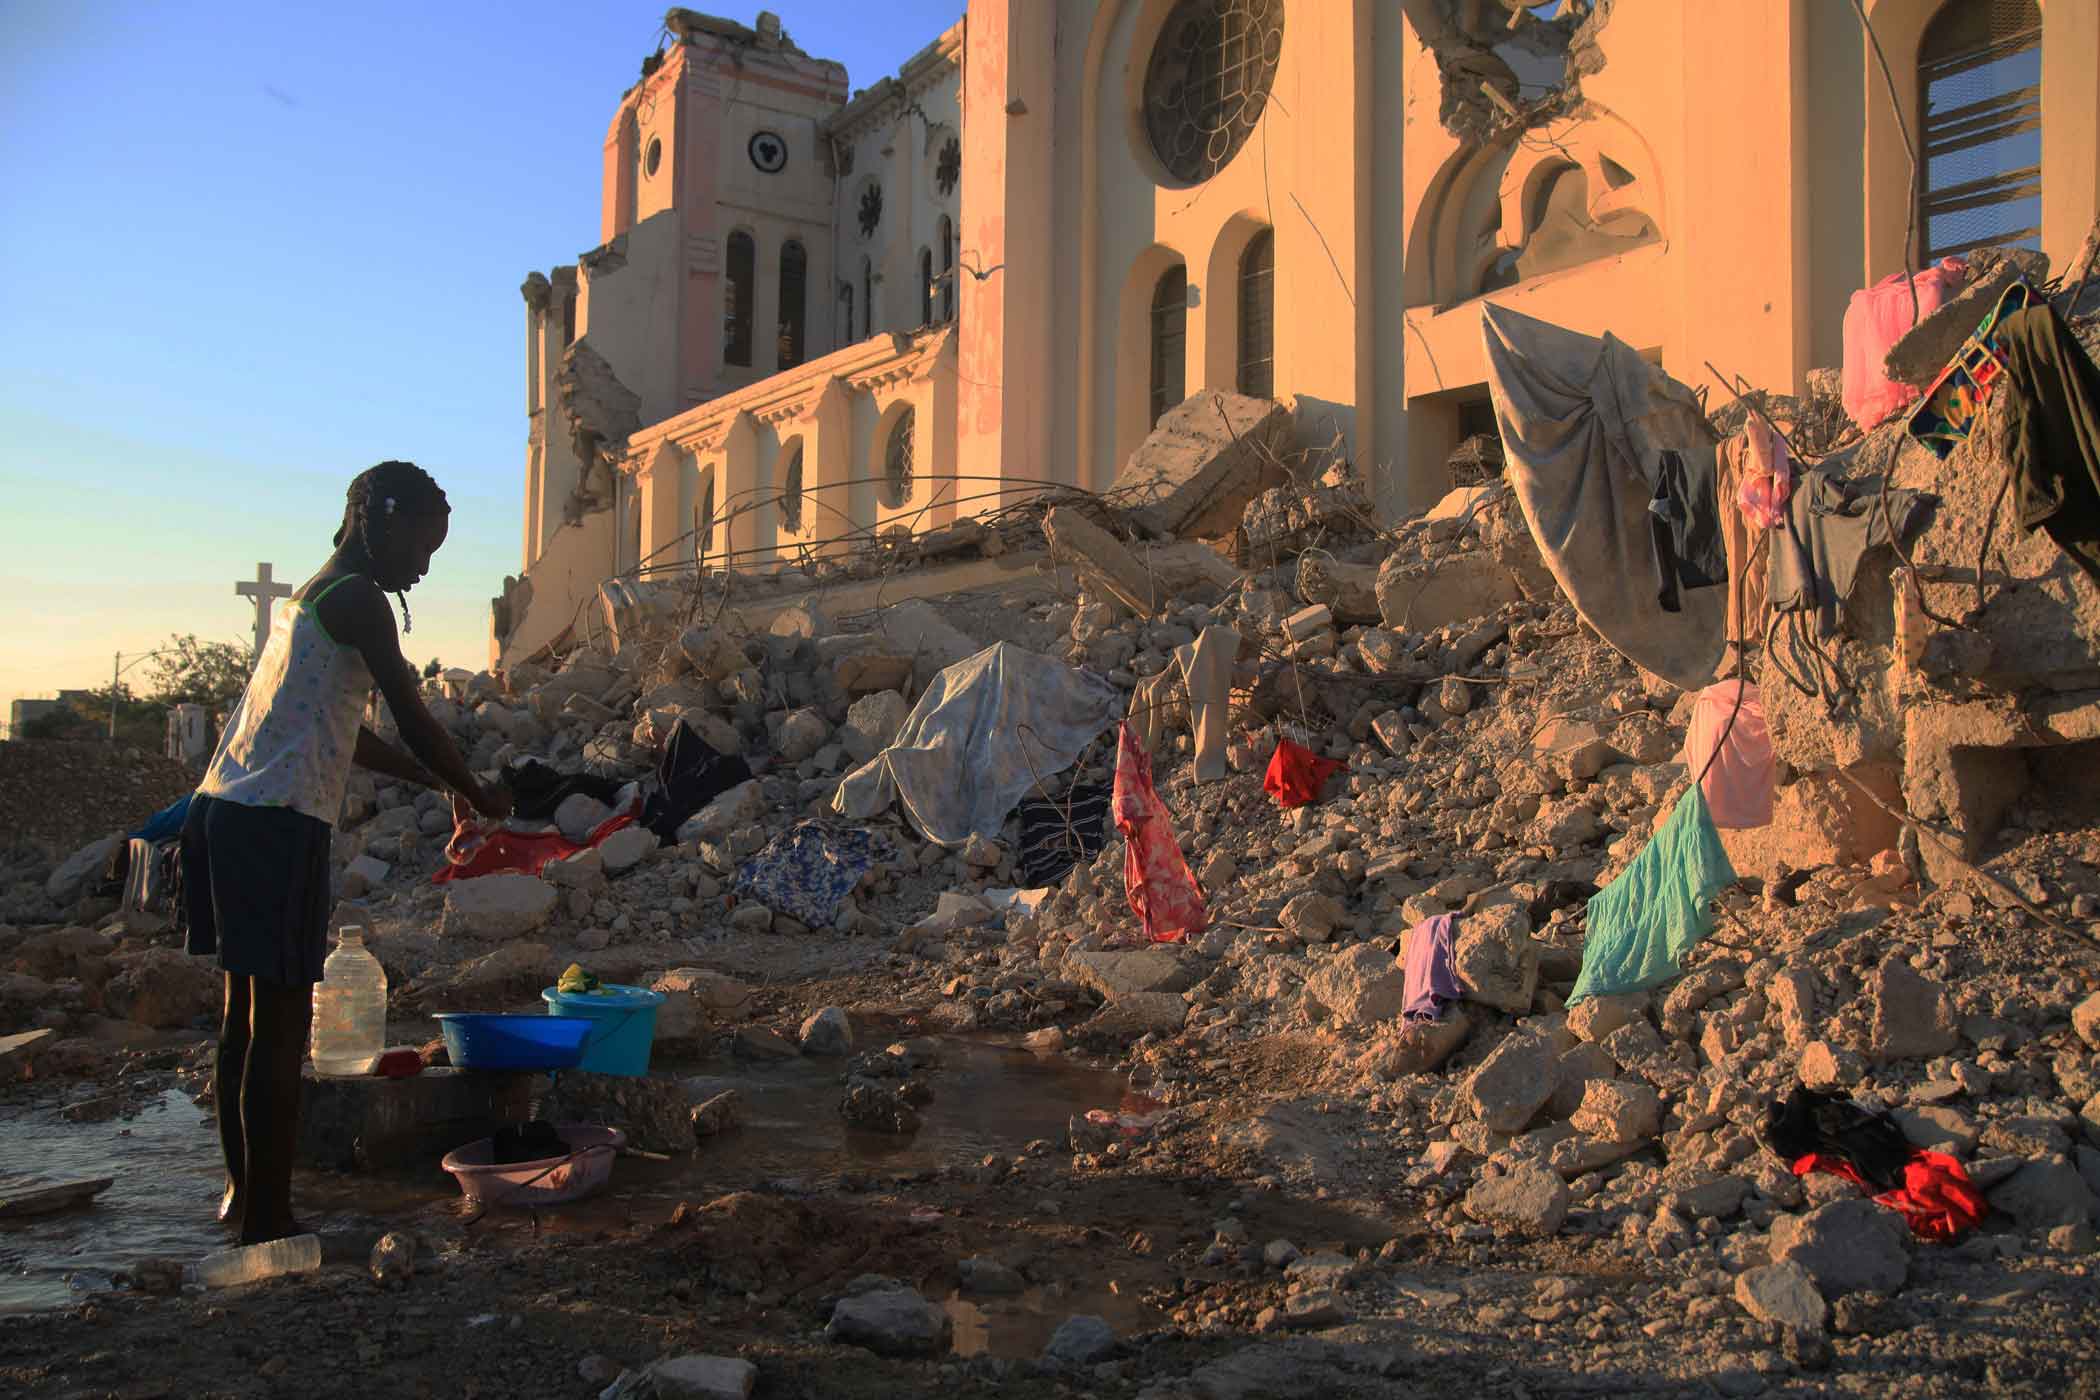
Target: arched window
(736, 299)
(926, 286)
(1170, 314)
(846, 312)
(867, 295)
(1257, 371)
(1980, 100)
(947, 268)
(794, 274)
(896, 462)
(791, 491)
(704, 522)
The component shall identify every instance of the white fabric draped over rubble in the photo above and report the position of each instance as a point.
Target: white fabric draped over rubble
(978, 739)
(1584, 423)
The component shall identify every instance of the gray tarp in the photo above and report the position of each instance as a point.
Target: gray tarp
(977, 740)
(1584, 423)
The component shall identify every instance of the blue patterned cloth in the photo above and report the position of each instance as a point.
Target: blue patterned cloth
(806, 870)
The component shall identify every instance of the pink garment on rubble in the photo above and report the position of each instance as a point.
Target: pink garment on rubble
(1163, 894)
(1767, 474)
(1876, 319)
(1738, 786)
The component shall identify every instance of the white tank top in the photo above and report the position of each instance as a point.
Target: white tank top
(290, 739)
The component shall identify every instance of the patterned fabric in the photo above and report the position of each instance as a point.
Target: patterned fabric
(807, 870)
(1163, 894)
(291, 737)
(1050, 847)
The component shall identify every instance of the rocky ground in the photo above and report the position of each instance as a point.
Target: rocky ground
(1309, 1198)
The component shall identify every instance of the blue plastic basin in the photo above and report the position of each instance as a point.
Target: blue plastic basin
(624, 1025)
(515, 1042)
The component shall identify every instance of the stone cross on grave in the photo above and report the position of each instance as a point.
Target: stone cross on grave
(264, 591)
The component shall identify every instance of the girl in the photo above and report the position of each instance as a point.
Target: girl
(256, 844)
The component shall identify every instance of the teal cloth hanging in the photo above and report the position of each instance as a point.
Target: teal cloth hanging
(1643, 923)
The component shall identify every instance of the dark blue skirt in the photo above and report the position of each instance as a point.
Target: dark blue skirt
(256, 884)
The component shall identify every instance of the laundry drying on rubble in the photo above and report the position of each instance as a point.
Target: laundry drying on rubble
(1445, 865)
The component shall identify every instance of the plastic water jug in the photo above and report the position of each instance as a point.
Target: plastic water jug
(301, 1254)
(349, 1008)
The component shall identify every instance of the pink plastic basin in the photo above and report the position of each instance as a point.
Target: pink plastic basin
(546, 1182)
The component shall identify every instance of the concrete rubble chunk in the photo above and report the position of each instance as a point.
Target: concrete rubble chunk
(1513, 1082)
(626, 848)
(1420, 596)
(1922, 351)
(1782, 1294)
(1594, 1018)
(1080, 1341)
(2044, 1194)
(1104, 562)
(872, 723)
(1313, 917)
(891, 1319)
(73, 873)
(579, 814)
(712, 652)
(496, 906)
(828, 1032)
(1848, 1246)
(1913, 1015)
(697, 1377)
(1527, 1199)
(802, 733)
(917, 628)
(1348, 591)
(1618, 1111)
(1496, 960)
(1203, 462)
(1118, 973)
(2085, 1019)
(1360, 986)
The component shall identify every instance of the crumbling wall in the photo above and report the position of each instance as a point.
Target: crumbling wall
(1501, 65)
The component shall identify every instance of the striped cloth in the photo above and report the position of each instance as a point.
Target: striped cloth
(1047, 847)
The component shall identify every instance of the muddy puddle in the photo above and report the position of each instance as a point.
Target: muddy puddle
(987, 1098)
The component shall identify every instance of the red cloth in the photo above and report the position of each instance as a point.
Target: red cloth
(1296, 774)
(1163, 894)
(521, 853)
(1936, 1195)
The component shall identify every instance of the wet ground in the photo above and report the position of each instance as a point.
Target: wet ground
(988, 1098)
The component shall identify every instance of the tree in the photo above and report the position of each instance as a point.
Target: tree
(432, 669)
(191, 672)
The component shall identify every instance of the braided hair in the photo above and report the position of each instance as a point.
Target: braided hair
(379, 495)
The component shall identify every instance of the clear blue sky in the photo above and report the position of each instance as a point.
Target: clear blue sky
(250, 250)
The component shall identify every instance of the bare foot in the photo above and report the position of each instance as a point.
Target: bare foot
(230, 1203)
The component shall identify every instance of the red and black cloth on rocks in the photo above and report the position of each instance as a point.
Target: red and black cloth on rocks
(1816, 1131)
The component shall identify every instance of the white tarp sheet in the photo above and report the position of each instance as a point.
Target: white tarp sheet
(978, 739)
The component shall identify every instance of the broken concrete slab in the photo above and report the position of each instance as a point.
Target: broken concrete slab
(370, 1124)
(934, 643)
(1117, 974)
(1921, 352)
(1104, 563)
(1419, 596)
(1201, 464)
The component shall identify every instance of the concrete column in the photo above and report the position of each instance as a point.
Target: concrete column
(1005, 322)
(659, 501)
(735, 481)
(1745, 204)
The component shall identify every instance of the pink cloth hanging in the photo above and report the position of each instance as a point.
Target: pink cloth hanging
(1738, 785)
(1163, 894)
(1879, 316)
(1767, 473)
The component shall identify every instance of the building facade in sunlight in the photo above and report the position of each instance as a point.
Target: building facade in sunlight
(817, 312)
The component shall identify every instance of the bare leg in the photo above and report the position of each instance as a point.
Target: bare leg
(227, 1073)
(282, 1016)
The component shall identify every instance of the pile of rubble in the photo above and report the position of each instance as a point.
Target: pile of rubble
(1498, 762)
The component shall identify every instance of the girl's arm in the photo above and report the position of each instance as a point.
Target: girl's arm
(359, 615)
(378, 755)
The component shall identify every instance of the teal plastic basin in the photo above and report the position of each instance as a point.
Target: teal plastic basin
(624, 1026)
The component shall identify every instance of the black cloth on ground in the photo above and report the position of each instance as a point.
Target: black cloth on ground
(1047, 849)
(1684, 523)
(536, 788)
(689, 776)
(256, 883)
(2053, 395)
(1813, 1120)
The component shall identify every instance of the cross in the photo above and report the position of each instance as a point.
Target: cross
(264, 591)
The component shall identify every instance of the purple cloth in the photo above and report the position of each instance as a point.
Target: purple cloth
(1430, 980)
